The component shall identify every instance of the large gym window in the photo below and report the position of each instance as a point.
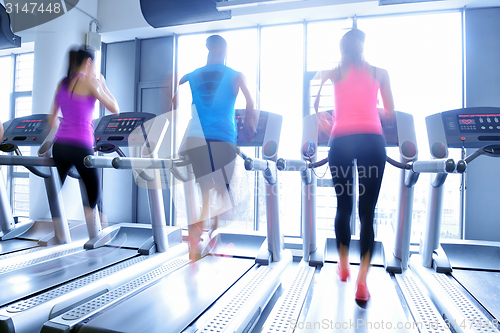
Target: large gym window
(423, 54)
(276, 87)
(16, 85)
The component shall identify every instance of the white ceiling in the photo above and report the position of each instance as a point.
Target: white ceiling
(122, 19)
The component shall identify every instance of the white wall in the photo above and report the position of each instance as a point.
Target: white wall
(482, 220)
(116, 15)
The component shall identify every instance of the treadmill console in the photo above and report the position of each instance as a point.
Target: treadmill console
(398, 132)
(267, 135)
(390, 131)
(26, 131)
(123, 125)
(477, 123)
(468, 127)
(243, 137)
(114, 130)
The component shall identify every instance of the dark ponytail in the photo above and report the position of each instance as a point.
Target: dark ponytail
(351, 46)
(76, 59)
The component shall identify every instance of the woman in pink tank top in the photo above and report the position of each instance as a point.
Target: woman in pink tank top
(356, 134)
(75, 97)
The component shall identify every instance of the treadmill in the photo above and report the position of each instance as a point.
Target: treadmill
(31, 236)
(462, 276)
(118, 254)
(225, 291)
(315, 299)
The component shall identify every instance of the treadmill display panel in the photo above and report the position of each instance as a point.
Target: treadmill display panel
(475, 123)
(123, 125)
(243, 137)
(29, 126)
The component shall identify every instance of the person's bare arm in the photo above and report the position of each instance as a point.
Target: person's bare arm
(99, 90)
(1, 130)
(251, 115)
(325, 76)
(55, 109)
(386, 92)
(175, 98)
(105, 87)
(53, 114)
(324, 119)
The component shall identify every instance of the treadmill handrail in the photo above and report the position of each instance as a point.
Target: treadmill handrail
(27, 161)
(491, 150)
(32, 163)
(92, 161)
(291, 165)
(256, 164)
(38, 171)
(433, 166)
(268, 168)
(142, 164)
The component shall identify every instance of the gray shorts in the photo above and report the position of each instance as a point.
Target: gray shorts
(210, 159)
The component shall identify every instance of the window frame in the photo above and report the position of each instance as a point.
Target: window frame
(14, 96)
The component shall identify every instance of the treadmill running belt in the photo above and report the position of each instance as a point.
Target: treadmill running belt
(334, 309)
(32, 279)
(13, 245)
(173, 303)
(483, 286)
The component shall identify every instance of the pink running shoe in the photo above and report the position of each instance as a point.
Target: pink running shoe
(362, 293)
(343, 273)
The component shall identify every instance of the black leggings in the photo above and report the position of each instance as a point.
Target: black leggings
(65, 156)
(369, 151)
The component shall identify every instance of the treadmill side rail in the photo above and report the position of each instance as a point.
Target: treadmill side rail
(29, 315)
(289, 306)
(249, 297)
(426, 315)
(452, 303)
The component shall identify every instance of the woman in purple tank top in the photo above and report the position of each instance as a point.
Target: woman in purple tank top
(75, 97)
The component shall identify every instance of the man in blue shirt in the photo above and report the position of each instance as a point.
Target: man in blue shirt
(211, 134)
